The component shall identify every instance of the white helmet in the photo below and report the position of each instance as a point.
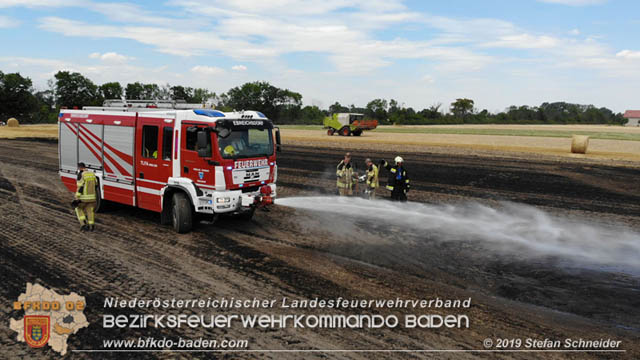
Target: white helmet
(399, 159)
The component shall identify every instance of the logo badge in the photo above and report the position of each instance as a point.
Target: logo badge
(36, 330)
(201, 175)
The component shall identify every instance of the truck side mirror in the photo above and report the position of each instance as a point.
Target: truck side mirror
(201, 144)
(278, 141)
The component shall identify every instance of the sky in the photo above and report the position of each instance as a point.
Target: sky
(420, 53)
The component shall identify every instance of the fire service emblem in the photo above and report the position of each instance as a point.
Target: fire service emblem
(36, 330)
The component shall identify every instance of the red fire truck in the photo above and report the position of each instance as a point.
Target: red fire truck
(184, 164)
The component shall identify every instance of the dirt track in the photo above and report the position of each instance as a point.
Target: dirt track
(282, 253)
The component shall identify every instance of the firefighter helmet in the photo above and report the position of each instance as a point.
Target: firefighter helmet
(229, 150)
(398, 160)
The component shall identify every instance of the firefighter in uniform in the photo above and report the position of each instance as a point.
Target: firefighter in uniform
(371, 178)
(398, 182)
(85, 198)
(346, 176)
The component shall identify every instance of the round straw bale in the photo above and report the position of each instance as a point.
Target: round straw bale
(579, 144)
(13, 122)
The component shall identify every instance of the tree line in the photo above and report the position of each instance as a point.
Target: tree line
(19, 99)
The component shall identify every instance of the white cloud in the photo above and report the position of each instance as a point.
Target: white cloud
(628, 54)
(165, 39)
(42, 69)
(40, 3)
(428, 79)
(207, 70)
(346, 33)
(110, 57)
(575, 2)
(524, 41)
(7, 22)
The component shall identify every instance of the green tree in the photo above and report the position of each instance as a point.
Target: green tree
(111, 90)
(377, 109)
(134, 91)
(181, 93)
(338, 108)
(202, 96)
(311, 115)
(74, 90)
(16, 98)
(462, 107)
(47, 109)
(151, 92)
(262, 96)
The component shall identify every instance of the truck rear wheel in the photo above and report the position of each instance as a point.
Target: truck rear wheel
(101, 204)
(357, 132)
(181, 214)
(330, 132)
(345, 131)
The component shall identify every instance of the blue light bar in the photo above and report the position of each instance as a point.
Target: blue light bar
(209, 113)
(261, 114)
(229, 167)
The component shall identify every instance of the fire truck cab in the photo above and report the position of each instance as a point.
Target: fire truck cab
(181, 163)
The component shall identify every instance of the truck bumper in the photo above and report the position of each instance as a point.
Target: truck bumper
(233, 201)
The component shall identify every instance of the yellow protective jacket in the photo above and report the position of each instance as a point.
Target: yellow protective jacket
(86, 191)
(345, 175)
(372, 177)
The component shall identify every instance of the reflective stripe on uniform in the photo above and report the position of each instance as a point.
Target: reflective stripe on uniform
(389, 187)
(86, 187)
(87, 197)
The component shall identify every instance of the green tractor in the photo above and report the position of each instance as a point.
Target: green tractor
(346, 124)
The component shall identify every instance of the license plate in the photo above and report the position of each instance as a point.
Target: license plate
(250, 175)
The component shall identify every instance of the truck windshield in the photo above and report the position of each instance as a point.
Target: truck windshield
(245, 143)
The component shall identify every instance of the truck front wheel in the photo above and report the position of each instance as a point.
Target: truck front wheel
(345, 131)
(247, 215)
(181, 214)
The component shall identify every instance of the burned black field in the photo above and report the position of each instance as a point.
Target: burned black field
(298, 253)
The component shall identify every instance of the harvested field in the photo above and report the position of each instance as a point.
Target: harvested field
(47, 131)
(458, 139)
(599, 149)
(292, 253)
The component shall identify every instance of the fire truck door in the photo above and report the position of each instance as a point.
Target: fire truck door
(193, 166)
(153, 166)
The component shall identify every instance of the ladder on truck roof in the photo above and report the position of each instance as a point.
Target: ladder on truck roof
(147, 105)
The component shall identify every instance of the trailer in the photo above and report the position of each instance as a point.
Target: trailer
(182, 163)
(346, 124)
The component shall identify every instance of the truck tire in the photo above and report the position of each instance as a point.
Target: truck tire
(357, 132)
(345, 131)
(330, 132)
(181, 214)
(101, 204)
(247, 215)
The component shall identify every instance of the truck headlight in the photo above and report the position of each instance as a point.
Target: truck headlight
(221, 200)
